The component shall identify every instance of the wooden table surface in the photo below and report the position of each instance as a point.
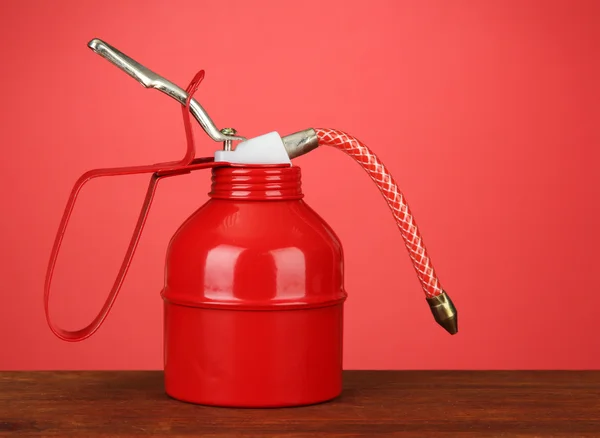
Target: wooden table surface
(374, 403)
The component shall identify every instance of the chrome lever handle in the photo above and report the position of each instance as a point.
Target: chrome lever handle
(150, 79)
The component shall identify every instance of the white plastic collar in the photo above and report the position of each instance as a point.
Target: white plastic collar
(264, 149)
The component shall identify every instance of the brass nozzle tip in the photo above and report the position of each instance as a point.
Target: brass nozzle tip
(444, 312)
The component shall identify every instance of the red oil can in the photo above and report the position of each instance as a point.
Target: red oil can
(254, 296)
(254, 280)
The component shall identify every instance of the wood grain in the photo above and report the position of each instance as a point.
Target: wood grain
(374, 403)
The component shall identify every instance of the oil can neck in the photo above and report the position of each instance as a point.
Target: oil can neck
(256, 183)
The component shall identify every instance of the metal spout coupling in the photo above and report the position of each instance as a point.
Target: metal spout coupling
(300, 143)
(444, 312)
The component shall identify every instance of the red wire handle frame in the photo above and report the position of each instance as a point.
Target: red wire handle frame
(159, 170)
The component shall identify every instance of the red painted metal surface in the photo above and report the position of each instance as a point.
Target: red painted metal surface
(253, 300)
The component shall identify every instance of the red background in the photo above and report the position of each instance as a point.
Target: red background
(485, 112)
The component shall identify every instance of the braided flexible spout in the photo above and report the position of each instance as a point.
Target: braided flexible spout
(441, 305)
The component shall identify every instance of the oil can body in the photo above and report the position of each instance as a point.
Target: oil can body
(253, 297)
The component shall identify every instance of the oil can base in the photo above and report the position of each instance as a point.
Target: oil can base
(253, 359)
(287, 404)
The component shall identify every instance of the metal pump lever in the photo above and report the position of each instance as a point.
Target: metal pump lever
(296, 144)
(149, 79)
